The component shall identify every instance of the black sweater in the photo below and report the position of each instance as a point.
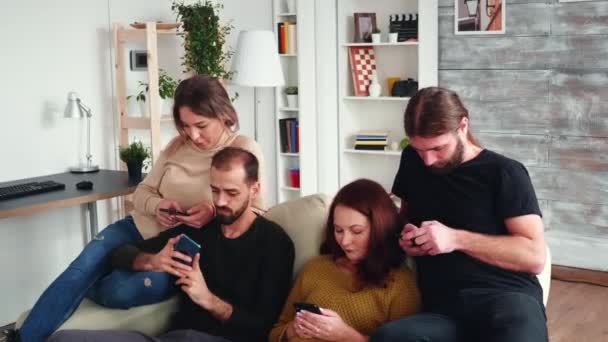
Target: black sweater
(252, 272)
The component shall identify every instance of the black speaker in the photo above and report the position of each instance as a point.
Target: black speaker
(405, 88)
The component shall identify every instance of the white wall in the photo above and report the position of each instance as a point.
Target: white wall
(47, 50)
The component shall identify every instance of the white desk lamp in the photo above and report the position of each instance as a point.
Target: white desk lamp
(76, 109)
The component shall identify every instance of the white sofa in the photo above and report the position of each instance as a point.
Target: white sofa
(303, 219)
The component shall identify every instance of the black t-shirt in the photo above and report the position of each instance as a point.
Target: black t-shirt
(252, 272)
(478, 196)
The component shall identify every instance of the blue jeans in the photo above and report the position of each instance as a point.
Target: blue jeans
(482, 315)
(91, 274)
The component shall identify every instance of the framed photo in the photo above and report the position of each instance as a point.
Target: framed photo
(479, 16)
(365, 24)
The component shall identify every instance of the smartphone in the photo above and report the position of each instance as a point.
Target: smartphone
(187, 246)
(173, 211)
(314, 308)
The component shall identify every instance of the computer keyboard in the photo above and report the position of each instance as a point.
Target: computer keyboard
(26, 189)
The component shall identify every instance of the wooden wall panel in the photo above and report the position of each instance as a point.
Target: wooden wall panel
(590, 220)
(536, 52)
(580, 18)
(579, 103)
(579, 153)
(579, 186)
(531, 150)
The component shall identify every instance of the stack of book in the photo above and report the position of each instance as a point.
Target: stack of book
(371, 140)
(287, 38)
(289, 131)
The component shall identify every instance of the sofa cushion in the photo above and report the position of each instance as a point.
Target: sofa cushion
(303, 219)
(150, 319)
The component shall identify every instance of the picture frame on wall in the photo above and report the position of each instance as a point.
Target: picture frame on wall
(479, 17)
(365, 24)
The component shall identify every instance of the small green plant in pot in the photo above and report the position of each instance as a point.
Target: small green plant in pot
(134, 156)
(166, 90)
(292, 97)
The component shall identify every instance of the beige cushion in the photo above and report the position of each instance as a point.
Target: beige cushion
(150, 319)
(303, 220)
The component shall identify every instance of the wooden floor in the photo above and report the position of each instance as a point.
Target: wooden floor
(577, 312)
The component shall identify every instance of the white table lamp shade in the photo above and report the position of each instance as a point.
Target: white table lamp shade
(256, 60)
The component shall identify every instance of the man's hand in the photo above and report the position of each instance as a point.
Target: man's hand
(328, 327)
(194, 285)
(165, 219)
(164, 260)
(198, 215)
(432, 238)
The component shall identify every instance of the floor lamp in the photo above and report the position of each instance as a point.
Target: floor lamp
(256, 64)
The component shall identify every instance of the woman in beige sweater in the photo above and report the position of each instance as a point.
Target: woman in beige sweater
(179, 179)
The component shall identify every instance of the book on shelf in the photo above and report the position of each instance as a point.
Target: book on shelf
(289, 134)
(287, 39)
(370, 147)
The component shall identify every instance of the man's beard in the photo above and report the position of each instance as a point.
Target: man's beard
(448, 165)
(233, 216)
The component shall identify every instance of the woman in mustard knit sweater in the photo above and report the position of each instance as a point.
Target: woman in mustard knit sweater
(359, 281)
(179, 179)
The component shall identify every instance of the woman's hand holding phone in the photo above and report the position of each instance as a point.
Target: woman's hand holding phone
(199, 215)
(328, 326)
(163, 215)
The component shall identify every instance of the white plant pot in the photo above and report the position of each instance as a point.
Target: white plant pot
(291, 6)
(392, 37)
(376, 38)
(292, 101)
(167, 106)
(143, 108)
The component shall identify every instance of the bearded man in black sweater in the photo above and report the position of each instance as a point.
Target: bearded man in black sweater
(236, 285)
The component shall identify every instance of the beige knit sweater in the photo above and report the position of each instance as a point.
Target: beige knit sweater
(181, 173)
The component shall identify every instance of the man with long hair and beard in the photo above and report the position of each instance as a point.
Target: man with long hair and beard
(474, 228)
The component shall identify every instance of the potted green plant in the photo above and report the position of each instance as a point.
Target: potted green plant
(204, 38)
(166, 89)
(134, 156)
(292, 96)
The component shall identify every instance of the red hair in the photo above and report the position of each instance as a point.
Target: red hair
(384, 254)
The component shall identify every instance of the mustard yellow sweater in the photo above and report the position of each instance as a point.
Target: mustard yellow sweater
(321, 282)
(181, 173)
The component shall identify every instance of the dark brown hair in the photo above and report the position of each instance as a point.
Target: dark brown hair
(228, 157)
(435, 111)
(207, 97)
(370, 199)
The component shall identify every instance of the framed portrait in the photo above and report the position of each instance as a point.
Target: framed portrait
(365, 24)
(479, 16)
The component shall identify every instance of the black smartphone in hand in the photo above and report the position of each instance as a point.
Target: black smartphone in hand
(187, 246)
(173, 211)
(314, 308)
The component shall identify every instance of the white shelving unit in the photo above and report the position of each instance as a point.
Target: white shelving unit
(299, 70)
(417, 60)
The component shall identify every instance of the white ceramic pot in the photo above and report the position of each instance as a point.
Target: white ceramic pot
(292, 101)
(143, 108)
(291, 6)
(376, 38)
(392, 37)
